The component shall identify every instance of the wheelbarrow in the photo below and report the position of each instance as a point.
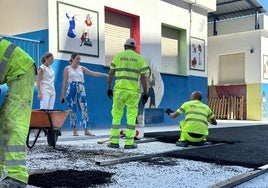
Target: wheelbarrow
(49, 121)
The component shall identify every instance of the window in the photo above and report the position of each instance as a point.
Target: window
(119, 26)
(232, 69)
(173, 49)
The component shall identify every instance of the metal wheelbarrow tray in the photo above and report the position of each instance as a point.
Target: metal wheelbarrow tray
(50, 121)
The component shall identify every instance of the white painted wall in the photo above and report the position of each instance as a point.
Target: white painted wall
(264, 50)
(233, 26)
(25, 16)
(238, 25)
(159, 12)
(265, 21)
(236, 43)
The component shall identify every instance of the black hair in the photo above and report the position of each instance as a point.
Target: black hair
(46, 56)
(73, 56)
(197, 95)
(129, 47)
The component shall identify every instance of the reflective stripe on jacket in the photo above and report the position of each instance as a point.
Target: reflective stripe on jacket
(12, 63)
(128, 66)
(197, 115)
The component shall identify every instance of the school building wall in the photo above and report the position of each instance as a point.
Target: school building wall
(238, 36)
(39, 21)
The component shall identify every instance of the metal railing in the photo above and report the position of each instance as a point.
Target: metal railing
(30, 46)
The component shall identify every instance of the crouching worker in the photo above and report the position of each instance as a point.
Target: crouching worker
(17, 70)
(194, 128)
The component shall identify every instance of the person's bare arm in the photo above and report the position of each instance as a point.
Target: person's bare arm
(40, 74)
(143, 80)
(93, 73)
(213, 121)
(174, 114)
(110, 79)
(64, 81)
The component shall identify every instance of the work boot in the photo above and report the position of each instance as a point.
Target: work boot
(134, 146)
(12, 183)
(205, 143)
(75, 133)
(111, 145)
(182, 143)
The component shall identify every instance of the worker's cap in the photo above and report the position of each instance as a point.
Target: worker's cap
(130, 42)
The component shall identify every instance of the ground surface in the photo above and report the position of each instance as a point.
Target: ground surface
(72, 163)
(245, 146)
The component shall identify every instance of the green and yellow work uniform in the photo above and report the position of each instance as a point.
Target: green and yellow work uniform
(194, 128)
(17, 70)
(128, 66)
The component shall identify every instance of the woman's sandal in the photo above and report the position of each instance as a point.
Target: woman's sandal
(75, 133)
(88, 133)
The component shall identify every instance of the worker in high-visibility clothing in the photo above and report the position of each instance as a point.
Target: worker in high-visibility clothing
(17, 71)
(194, 128)
(127, 67)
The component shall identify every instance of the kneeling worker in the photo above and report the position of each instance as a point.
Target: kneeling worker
(194, 128)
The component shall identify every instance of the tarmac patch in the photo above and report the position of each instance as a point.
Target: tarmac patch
(70, 178)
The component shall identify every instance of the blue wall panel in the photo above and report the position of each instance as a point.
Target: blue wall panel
(99, 105)
(177, 89)
(41, 35)
(264, 101)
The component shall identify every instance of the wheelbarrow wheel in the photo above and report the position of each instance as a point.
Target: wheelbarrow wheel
(52, 137)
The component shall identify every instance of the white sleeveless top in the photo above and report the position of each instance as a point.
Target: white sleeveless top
(47, 82)
(75, 75)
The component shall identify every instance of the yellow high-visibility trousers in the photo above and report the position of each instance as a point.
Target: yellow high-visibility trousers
(122, 99)
(186, 137)
(15, 114)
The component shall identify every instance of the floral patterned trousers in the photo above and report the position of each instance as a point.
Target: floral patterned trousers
(76, 98)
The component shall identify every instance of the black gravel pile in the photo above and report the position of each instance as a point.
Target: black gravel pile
(70, 178)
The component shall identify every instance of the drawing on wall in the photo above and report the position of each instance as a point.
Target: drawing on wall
(155, 90)
(264, 104)
(197, 58)
(265, 67)
(78, 30)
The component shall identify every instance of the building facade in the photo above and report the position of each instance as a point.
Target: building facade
(170, 34)
(238, 60)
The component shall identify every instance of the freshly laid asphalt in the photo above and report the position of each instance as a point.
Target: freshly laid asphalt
(239, 143)
(243, 145)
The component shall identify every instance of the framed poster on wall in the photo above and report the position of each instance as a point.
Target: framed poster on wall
(265, 66)
(197, 54)
(78, 30)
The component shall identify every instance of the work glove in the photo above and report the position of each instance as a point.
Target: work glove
(110, 93)
(144, 99)
(168, 111)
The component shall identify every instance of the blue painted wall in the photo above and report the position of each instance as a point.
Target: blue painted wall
(177, 89)
(99, 105)
(264, 101)
(41, 35)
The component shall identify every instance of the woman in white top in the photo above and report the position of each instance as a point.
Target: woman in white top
(45, 83)
(73, 86)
